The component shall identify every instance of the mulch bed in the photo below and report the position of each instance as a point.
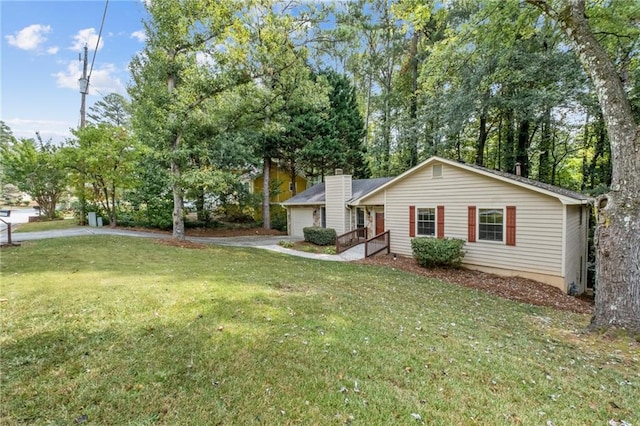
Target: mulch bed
(512, 288)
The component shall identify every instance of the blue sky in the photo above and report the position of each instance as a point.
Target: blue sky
(39, 71)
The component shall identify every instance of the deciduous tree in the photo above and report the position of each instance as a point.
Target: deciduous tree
(37, 169)
(189, 58)
(282, 85)
(104, 157)
(618, 211)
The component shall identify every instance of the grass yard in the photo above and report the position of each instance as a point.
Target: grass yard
(116, 330)
(48, 225)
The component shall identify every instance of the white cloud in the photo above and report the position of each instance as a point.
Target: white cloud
(48, 129)
(52, 50)
(103, 80)
(29, 38)
(140, 35)
(69, 79)
(86, 37)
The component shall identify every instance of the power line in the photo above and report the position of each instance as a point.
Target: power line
(104, 15)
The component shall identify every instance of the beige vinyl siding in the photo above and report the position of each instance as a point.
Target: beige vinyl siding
(376, 199)
(538, 218)
(337, 192)
(575, 247)
(299, 218)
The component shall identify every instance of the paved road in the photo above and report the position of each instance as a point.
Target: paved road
(20, 215)
(258, 241)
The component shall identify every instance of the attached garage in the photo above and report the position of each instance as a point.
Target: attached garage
(300, 218)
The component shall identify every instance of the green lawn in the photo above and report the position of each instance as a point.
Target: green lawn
(48, 225)
(116, 330)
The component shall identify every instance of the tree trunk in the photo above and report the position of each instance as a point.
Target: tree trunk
(201, 213)
(266, 196)
(386, 137)
(499, 150)
(482, 139)
(176, 171)
(82, 200)
(522, 149)
(413, 107)
(113, 214)
(367, 114)
(600, 167)
(585, 147)
(508, 145)
(618, 231)
(544, 165)
(292, 175)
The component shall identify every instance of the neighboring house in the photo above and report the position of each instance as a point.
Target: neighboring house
(512, 225)
(285, 186)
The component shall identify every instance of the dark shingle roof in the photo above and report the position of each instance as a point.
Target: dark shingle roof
(537, 184)
(360, 187)
(315, 194)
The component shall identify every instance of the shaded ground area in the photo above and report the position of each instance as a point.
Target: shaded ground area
(213, 232)
(183, 244)
(231, 232)
(512, 288)
(209, 232)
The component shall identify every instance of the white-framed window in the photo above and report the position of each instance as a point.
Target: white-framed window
(491, 224)
(426, 221)
(437, 170)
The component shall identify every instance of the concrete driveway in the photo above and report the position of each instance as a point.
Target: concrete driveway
(17, 215)
(267, 242)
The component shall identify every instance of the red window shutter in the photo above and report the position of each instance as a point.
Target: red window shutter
(511, 225)
(471, 237)
(412, 221)
(440, 214)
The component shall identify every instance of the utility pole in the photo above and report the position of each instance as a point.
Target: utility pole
(84, 90)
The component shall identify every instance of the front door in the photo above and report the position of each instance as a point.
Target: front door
(379, 223)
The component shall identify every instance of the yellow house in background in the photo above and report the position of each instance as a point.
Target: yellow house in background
(285, 187)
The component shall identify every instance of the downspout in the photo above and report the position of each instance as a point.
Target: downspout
(585, 249)
(563, 270)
